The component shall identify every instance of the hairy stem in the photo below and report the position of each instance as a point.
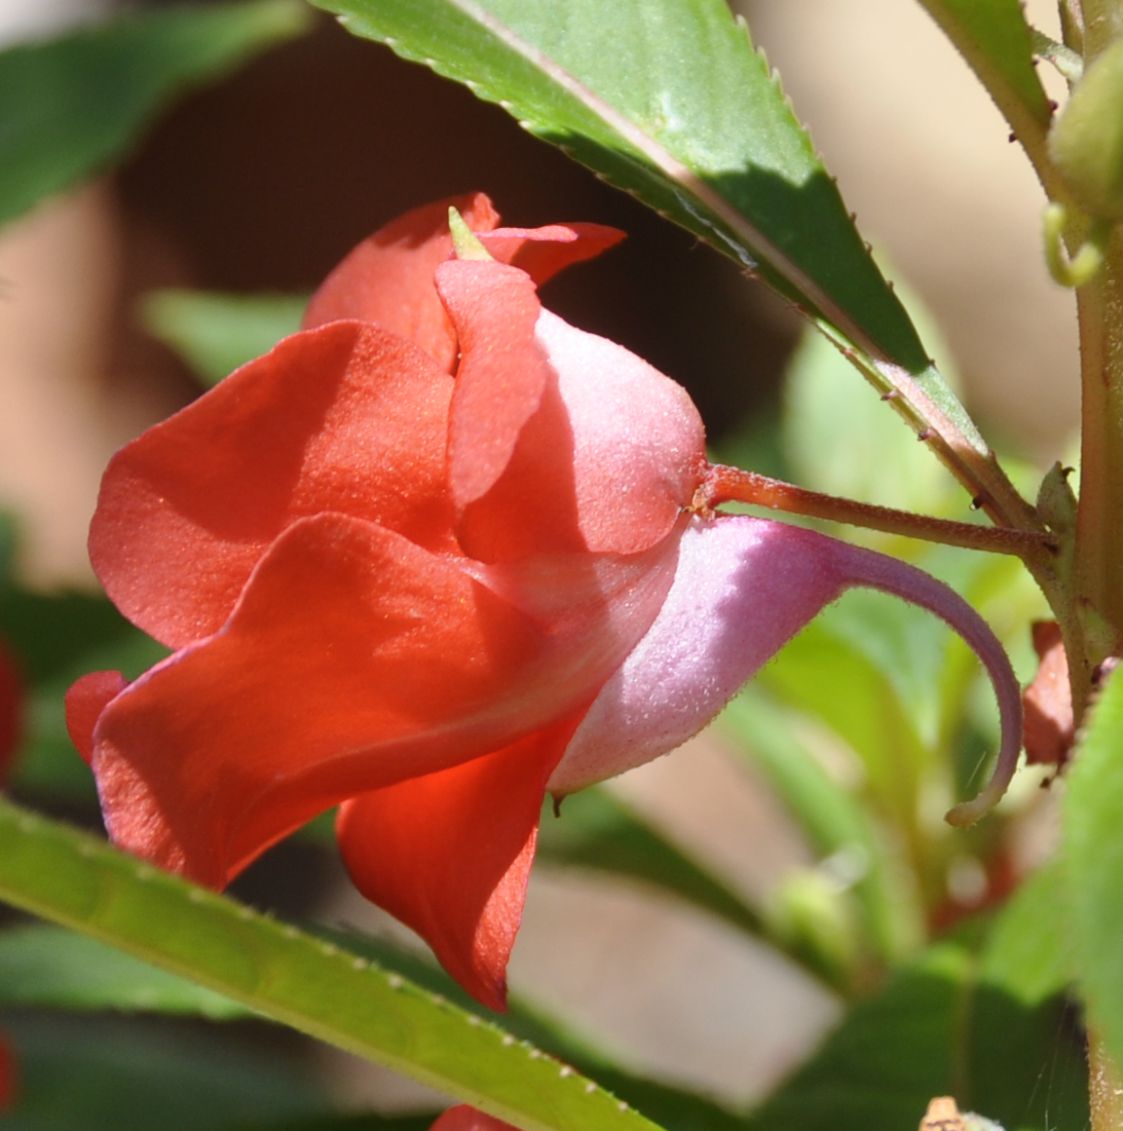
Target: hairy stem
(731, 484)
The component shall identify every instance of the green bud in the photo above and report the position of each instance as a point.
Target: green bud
(1086, 141)
(1056, 502)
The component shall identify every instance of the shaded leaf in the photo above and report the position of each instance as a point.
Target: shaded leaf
(76, 103)
(45, 967)
(77, 1074)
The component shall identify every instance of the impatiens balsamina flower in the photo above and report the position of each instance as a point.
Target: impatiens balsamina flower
(434, 556)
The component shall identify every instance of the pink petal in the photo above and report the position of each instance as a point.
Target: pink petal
(354, 660)
(559, 440)
(449, 854)
(344, 418)
(745, 586)
(388, 278)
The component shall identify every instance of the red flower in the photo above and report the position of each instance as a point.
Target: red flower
(432, 556)
(11, 711)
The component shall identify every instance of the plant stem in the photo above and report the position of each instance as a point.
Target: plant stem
(731, 484)
(1105, 1094)
(1099, 524)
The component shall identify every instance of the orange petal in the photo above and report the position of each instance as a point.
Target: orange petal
(449, 855)
(1047, 702)
(465, 1118)
(345, 418)
(354, 660)
(558, 440)
(388, 278)
(543, 252)
(86, 698)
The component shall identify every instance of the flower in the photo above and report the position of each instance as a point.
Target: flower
(433, 556)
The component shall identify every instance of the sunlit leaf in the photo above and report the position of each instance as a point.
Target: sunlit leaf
(76, 103)
(682, 111)
(291, 977)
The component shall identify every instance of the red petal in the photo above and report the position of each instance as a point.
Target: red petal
(558, 440)
(11, 711)
(354, 660)
(9, 1079)
(345, 418)
(465, 1118)
(86, 698)
(388, 278)
(543, 252)
(450, 854)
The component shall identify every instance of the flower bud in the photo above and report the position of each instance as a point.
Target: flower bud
(1086, 142)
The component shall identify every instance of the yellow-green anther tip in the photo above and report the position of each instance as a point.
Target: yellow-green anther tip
(464, 241)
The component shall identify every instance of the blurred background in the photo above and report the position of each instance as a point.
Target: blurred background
(260, 183)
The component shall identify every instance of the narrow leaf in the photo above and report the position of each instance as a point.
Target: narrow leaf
(74, 104)
(293, 978)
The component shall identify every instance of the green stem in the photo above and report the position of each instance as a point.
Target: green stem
(291, 977)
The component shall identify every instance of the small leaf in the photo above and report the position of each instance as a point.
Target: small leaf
(290, 977)
(74, 104)
(215, 333)
(1093, 854)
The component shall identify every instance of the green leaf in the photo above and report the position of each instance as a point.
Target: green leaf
(980, 1016)
(73, 105)
(86, 1073)
(290, 977)
(1093, 854)
(215, 333)
(670, 1106)
(669, 100)
(45, 967)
